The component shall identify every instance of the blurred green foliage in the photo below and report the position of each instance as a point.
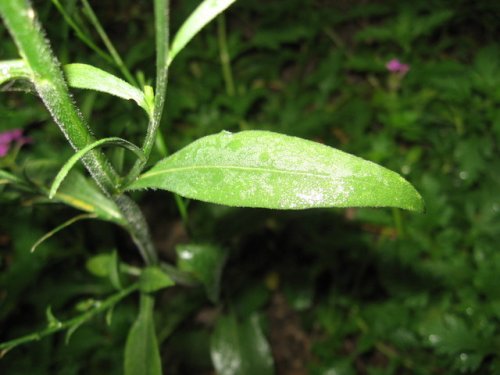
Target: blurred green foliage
(346, 291)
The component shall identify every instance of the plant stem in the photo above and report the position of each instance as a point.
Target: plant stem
(138, 228)
(20, 19)
(161, 10)
(224, 55)
(75, 322)
(107, 42)
(398, 221)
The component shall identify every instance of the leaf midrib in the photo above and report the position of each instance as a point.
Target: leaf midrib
(233, 167)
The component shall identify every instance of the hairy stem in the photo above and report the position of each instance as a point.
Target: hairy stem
(162, 41)
(20, 19)
(46, 74)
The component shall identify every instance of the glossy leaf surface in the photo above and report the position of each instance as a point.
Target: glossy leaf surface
(271, 170)
(205, 263)
(142, 356)
(240, 348)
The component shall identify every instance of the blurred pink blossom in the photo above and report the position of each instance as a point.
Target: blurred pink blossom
(10, 136)
(396, 66)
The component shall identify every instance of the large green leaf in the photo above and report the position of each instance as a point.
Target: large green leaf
(270, 170)
(142, 356)
(240, 348)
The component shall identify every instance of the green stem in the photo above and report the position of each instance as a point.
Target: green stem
(398, 221)
(60, 326)
(107, 42)
(224, 55)
(20, 19)
(161, 10)
(138, 228)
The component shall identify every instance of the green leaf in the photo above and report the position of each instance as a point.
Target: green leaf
(201, 16)
(59, 228)
(52, 321)
(270, 170)
(106, 265)
(205, 262)
(99, 265)
(79, 192)
(81, 153)
(153, 279)
(13, 69)
(142, 356)
(240, 348)
(83, 76)
(88, 77)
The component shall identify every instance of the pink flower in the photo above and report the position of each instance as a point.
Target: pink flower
(10, 136)
(396, 66)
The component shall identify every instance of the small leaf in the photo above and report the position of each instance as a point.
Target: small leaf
(67, 223)
(240, 348)
(201, 16)
(106, 265)
(99, 265)
(153, 279)
(142, 356)
(81, 153)
(51, 319)
(71, 330)
(204, 262)
(83, 76)
(88, 77)
(81, 193)
(270, 170)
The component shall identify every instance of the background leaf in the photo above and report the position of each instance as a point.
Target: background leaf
(205, 262)
(240, 348)
(271, 170)
(142, 356)
(206, 12)
(153, 279)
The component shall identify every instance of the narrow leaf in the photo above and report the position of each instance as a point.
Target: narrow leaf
(61, 227)
(88, 77)
(270, 170)
(206, 12)
(142, 356)
(205, 262)
(80, 154)
(80, 192)
(240, 348)
(83, 76)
